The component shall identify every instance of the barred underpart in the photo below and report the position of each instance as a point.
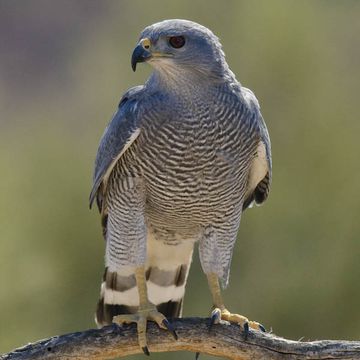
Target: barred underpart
(119, 293)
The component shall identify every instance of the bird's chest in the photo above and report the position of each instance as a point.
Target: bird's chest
(192, 147)
(191, 164)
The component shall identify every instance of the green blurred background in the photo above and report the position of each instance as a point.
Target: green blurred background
(63, 67)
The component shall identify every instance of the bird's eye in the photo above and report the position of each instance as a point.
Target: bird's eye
(177, 41)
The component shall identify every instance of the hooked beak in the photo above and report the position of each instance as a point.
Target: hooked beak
(141, 53)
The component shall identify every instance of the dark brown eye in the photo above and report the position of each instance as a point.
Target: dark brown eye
(177, 41)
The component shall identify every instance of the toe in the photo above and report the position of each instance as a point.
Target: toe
(246, 329)
(170, 328)
(256, 326)
(162, 322)
(141, 330)
(157, 317)
(141, 318)
(125, 319)
(236, 318)
(215, 317)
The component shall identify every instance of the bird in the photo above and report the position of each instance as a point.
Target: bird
(182, 158)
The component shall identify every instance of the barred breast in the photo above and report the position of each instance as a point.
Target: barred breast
(194, 166)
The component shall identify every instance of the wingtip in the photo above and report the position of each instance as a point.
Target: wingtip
(91, 201)
(92, 197)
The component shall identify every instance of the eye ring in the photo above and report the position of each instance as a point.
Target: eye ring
(177, 42)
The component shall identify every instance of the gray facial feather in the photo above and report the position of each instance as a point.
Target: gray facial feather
(202, 51)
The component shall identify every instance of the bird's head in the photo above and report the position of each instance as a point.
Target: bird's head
(175, 46)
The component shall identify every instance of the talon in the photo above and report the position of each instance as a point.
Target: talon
(146, 351)
(170, 327)
(221, 313)
(241, 320)
(211, 321)
(215, 318)
(141, 318)
(262, 328)
(246, 330)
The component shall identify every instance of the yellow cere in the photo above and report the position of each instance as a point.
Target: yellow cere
(145, 43)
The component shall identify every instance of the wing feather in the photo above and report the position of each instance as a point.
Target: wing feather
(120, 133)
(261, 170)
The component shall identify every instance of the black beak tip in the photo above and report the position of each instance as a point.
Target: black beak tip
(139, 55)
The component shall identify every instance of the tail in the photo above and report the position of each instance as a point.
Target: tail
(166, 289)
(166, 274)
(118, 295)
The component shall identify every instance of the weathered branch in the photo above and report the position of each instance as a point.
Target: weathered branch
(225, 340)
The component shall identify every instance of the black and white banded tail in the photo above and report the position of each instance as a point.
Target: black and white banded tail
(119, 293)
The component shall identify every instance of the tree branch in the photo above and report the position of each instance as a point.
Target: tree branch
(225, 340)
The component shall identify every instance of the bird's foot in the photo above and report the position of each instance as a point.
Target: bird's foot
(148, 313)
(224, 314)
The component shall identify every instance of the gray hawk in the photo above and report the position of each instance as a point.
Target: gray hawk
(183, 156)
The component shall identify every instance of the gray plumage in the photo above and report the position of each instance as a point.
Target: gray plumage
(181, 159)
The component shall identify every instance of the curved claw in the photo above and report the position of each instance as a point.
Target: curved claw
(211, 321)
(146, 351)
(170, 327)
(246, 330)
(215, 318)
(141, 318)
(262, 328)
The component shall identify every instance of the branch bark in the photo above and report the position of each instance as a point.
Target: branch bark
(224, 340)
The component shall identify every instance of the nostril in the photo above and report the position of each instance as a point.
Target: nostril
(145, 43)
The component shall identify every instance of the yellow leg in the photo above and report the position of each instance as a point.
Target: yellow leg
(147, 311)
(221, 313)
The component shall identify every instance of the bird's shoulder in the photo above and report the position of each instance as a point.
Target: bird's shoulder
(250, 98)
(249, 103)
(122, 130)
(261, 169)
(253, 113)
(131, 97)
